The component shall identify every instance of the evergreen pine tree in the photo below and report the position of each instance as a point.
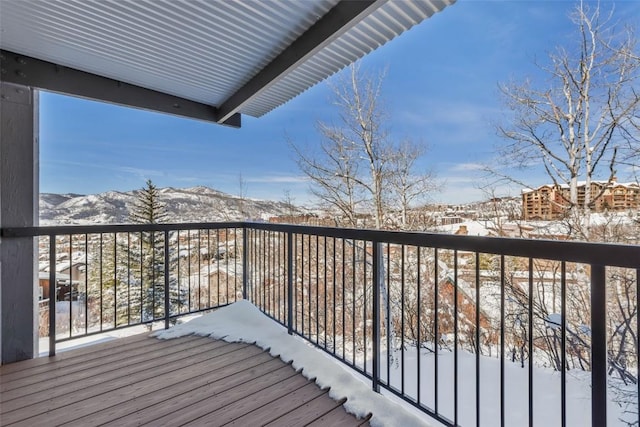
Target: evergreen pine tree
(149, 209)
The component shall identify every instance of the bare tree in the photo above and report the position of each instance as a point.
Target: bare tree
(356, 165)
(631, 151)
(347, 170)
(288, 199)
(362, 117)
(408, 186)
(573, 128)
(332, 170)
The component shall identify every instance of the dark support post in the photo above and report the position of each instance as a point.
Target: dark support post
(598, 346)
(378, 264)
(52, 295)
(167, 296)
(290, 282)
(18, 209)
(27, 71)
(245, 261)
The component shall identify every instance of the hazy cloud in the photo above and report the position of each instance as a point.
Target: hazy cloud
(275, 179)
(467, 167)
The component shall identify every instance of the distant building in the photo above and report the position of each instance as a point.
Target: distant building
(551, 201)
(449, 220)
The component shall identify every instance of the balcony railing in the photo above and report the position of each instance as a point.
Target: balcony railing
(453, 325)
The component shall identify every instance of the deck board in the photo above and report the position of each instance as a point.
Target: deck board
(244, 401)
(81, 353)
(94, 404)
(277, 407)
(337, 417)
(158, 363)
(71, 372)
(307, 413)
(141, 380)
(170, 399)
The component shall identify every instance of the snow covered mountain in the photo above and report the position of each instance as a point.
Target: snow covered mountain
(196, 204)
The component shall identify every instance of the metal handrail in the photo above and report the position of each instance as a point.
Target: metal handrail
(278, 266)
(303, 248)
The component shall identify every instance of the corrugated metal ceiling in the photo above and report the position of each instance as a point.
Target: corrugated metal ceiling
(202, 50)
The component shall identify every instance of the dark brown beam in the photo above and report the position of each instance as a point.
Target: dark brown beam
(336, 22)
(24, 70)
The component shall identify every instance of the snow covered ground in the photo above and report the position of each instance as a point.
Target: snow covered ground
(243, 322)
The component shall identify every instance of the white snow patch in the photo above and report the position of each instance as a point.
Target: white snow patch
(243, 322)
(474, 228)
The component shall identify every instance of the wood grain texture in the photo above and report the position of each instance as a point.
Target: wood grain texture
(141, 380)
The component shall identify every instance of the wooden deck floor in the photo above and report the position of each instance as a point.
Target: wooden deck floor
(145, 381)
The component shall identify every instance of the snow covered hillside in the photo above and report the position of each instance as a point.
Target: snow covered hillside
(196, 204)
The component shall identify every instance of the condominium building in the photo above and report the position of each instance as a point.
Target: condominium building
(552, 201)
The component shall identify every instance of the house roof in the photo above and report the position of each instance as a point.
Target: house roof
(205, 59)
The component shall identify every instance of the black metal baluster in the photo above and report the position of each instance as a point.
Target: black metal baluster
(245, 262)
(294, 241)
(268, 284)
(189, 268)
(388, 314)
(598, 346)
(279, 273)
(502, 283)
(52, 295)
(167, 313)
(303, 286)
(310, 288)
(563, 343)
(217, 257)
(290, 282)
(344, 273)
(419, 322)
(530, 343)
(419, 337)
(244, 270)
(142, 293)
(264, 272)
(324, 269)
(235, 264)
(638, 338)
(364, 302)
(178, 274)
(128, 277)
(435, 329)
(477, 339)
(101, 279)
(226, 264)
(353, 302)
(71, 285)
(334, 295)
(317, 291)
(115, 282)
(376, 278)
(200, 270)
(153, 276)
(402, 287)
(86, 284)
(455, 337)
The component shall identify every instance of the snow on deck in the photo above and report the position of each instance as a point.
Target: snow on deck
(243, 322)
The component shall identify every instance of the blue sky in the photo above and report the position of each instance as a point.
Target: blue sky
(441, 88)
